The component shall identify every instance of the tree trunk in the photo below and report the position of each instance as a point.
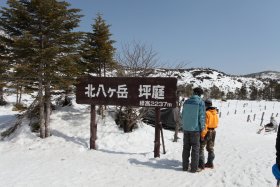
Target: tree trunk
(17, 94)
(47, 108)
(41, 89)
(67, 100)
(41, 109)
(20, 94)
(2, 101)
(104, 69)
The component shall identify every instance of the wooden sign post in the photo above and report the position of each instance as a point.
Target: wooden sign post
(93, 127)
(157, 133)
(155, 92)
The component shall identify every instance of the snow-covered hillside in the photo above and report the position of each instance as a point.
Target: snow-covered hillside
(206, 78)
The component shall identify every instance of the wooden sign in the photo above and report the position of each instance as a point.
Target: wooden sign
(127, 91)
(155, 92)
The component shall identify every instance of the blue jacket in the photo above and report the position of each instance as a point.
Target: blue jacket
(193, 114)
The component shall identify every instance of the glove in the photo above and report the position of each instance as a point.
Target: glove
(202, 139)
(276, 171)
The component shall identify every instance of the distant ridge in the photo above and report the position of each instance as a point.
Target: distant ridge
(274, 75)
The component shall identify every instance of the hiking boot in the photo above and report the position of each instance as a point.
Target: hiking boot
(209, 165)
(202, 167)
(187, 168)
(197, 170)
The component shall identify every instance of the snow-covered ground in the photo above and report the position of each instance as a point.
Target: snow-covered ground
(243, 157)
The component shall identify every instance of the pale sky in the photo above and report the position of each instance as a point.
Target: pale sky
(234, 36)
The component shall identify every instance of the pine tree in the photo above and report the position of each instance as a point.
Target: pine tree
(215, 92)
(98, 50)
(43, 45)
(236, 93)
(230, 95)
(3, 68)
(5, 54)
(243, 92)
(254, 92)
(270, 90)
(277, 92)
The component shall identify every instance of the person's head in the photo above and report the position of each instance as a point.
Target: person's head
(208, 103)
(197, 91)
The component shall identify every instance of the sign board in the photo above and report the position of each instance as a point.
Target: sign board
(127, 91)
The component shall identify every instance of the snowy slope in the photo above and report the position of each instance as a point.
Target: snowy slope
(207, 78)
(243, 158)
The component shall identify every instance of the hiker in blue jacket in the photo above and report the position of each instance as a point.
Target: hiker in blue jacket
(193, 116)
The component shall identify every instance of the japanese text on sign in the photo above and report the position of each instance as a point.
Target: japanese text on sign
(146, 91)
(121, 91)
(127, 91)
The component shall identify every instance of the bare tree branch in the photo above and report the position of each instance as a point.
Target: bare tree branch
(138, 59)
